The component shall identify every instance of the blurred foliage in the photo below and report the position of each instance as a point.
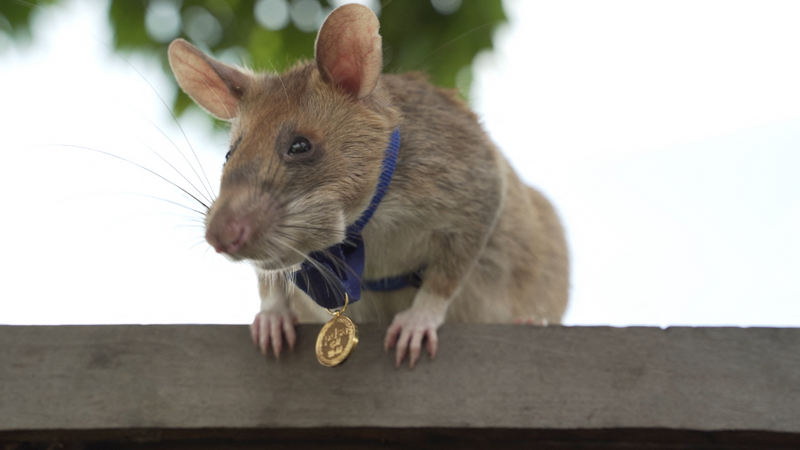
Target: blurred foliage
(15, 17)
(440, 37)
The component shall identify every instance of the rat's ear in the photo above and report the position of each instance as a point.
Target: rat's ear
(348, 49)
(215, 86)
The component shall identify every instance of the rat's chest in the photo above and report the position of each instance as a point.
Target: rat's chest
(397, 251)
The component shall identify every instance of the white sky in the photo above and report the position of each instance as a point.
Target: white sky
(666, 133)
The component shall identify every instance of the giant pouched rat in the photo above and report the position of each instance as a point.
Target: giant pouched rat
(307, 151)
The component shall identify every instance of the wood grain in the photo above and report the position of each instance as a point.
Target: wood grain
(210, 377)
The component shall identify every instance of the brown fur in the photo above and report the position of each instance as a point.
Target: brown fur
(493, 248)
(452, 193)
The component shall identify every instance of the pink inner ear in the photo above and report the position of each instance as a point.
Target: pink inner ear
(346, 74)
(201, 78)
(348, 49)
(212, 92)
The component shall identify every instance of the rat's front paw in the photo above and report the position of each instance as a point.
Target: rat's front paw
(272, 325)
(542, 322)
(407, 331)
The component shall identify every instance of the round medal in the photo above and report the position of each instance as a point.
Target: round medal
(336, 340)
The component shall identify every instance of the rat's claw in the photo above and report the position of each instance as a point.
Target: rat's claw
(391, 336)
(270, 327)
(259, 331)
(531, 321)
(277, 340)
(254, 329)
(416, 347)
(402, 346)
(433, 343)
(407, 332)
(288, 331)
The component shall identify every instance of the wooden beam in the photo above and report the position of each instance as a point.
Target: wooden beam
(514, 383)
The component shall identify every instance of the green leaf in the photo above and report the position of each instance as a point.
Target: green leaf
(415, 36)
(16, 17)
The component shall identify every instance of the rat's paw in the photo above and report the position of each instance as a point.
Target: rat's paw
(407, 331)
(270, 326)
(532, 321)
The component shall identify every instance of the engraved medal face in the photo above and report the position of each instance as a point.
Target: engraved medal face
(336, 340)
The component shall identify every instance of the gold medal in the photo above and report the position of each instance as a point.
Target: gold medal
(337, 339)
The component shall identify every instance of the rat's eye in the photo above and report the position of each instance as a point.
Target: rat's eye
(299, 146)
(234, 146)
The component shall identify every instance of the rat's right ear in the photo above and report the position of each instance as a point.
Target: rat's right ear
(215, 86)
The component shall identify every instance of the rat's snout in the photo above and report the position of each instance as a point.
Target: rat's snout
(236, 220)
(229, 236)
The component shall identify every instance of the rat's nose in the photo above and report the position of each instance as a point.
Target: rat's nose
(230, 236)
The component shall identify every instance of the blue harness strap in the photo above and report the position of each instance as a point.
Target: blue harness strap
(328, 274)
(394, 283)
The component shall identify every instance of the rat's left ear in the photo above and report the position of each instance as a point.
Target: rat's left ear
(348, 49)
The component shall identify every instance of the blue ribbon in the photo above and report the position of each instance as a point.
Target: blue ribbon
(343, 264)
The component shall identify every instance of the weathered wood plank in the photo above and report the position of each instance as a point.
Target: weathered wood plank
(74, 378)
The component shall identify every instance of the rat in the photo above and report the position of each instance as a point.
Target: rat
(306, 157)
